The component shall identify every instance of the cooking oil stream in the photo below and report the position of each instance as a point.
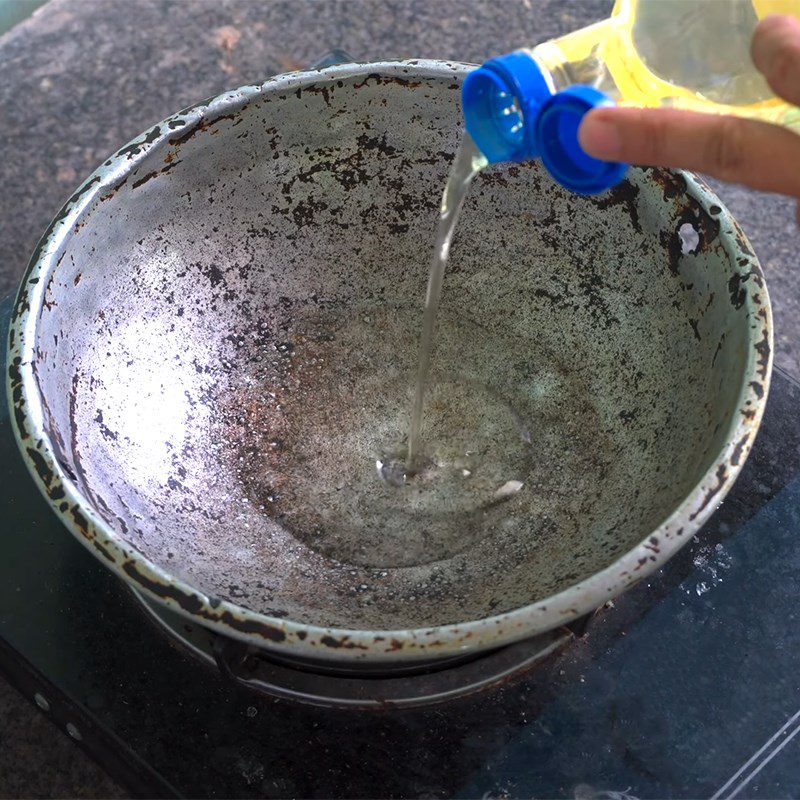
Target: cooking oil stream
(341, 398)
(469, 161)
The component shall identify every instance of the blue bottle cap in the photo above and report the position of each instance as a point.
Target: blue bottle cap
(501, 102)
(556, 138)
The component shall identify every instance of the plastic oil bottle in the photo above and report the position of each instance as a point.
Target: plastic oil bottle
(691, 54)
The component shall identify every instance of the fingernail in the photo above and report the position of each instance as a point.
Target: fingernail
(599, 137)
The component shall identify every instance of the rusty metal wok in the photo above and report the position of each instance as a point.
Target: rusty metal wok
(242, 285)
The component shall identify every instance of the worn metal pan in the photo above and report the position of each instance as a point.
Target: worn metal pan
(218, 327)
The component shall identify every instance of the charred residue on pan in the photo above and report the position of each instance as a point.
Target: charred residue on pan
(154, 174)
(764, 352)
(702, 223)
(136, 147)
(624, 194)
(722, 479)
(195, 605)
(672, 183)
(738, 450)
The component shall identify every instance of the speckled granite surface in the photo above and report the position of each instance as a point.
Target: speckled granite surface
(36, 760)
(82, 77)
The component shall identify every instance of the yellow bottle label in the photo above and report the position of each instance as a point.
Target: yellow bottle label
(765, 7)
(691, 54)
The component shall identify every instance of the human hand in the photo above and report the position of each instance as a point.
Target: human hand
(754, 153)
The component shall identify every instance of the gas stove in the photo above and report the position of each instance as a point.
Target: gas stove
(686, 686)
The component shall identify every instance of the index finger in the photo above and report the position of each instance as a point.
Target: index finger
(758, 154)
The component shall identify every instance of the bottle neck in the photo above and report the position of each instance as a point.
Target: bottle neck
(553, 65)
(577, 58)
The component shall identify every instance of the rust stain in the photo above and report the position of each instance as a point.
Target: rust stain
(193, 604)
(763, 349)
(673, 183)
(623, 194)
(330, 641)
(722, 476)
(738, 451)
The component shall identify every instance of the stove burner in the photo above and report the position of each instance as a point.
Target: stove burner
(356, 686)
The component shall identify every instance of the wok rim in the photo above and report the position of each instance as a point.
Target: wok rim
(253, 627)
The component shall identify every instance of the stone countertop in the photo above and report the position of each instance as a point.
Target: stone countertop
(82, 77)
